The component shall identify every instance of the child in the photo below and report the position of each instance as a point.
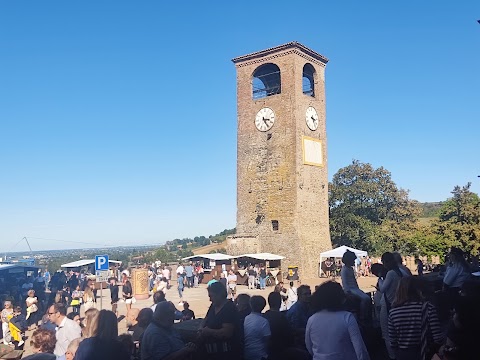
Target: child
(17, 326)
(187, 314)
(6, 315)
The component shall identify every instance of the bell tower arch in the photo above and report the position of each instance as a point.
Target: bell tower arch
(282, 183)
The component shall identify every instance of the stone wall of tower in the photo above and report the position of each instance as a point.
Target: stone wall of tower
(312, 190)
(272, 181)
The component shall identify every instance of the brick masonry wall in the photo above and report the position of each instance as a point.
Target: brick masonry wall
(272, 181)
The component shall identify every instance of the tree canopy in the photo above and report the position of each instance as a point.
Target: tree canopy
(459, 220)
(368, 210)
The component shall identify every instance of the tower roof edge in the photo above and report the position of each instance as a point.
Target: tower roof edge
(279, 48)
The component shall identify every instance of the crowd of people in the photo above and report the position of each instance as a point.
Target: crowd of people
(333, 322)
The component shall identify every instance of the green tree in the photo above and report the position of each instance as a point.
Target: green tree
(368, 210)
(459, 220)
(164, 256)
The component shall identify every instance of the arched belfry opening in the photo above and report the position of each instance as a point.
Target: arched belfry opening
(308, 77)
(266, 81)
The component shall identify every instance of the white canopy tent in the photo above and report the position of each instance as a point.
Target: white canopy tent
(214, 257)
(262, 256)
(86, 262)
(338, 253)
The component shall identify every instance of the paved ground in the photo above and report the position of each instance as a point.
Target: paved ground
(198, 299)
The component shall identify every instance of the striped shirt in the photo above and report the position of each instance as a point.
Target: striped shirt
(405, 325)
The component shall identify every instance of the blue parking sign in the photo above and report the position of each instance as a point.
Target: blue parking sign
(101, 262)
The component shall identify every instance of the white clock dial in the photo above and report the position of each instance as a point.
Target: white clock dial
(311, 118)
(265, 119)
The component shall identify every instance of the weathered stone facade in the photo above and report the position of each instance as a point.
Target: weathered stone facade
(273, 182)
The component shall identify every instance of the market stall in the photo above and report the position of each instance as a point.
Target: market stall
(272, 263)
(337, 253)
(212, 264)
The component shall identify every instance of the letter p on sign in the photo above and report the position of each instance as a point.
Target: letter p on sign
(101, 262)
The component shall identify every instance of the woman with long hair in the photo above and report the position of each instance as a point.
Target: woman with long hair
(458, 271)
(104, 343)
(88, 298)
(387, 285)
(127, 291)
(89, 322)
(412, 322)
(332, 332)
(350, 285)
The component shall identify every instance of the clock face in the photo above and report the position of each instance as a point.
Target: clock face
(265, 119)
(311, 118)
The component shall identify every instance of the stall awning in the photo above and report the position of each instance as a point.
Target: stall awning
(85, 262)
(214, 256)
(15, 266)
(262, 256)
(339, 251)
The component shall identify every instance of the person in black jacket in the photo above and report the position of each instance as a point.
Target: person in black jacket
(114, 294)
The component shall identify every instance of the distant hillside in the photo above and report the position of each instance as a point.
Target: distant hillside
(431, 209)
(208, 249)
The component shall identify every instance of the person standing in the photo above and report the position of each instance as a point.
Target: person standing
(127, 292)
(47, 278)
(251, 277)
(350, 284)
(419, 264)
(292, 296)
(88, 298)
(232, 284)
(411, 320)
(166, 275)
(262, 276)
(180, 280)
(189, 274)
(223, 281)
(67, 329)
(77, 297)
(387, 285)
(332, 333)
(282, 337)
(256, 331)
(114, 294)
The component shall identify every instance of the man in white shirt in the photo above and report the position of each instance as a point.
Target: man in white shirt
(67, 329)
(256, 331)
(292, 296)
(232, 284)
(166, 275)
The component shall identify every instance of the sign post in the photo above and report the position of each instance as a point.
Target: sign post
(101, 272)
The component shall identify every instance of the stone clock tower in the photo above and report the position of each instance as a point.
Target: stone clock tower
(282, 184)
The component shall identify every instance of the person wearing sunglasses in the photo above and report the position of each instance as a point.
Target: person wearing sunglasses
(67, 330)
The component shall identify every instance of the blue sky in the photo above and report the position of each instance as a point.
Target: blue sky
(118, 118)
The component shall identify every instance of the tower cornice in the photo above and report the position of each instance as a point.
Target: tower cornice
(277, 51)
